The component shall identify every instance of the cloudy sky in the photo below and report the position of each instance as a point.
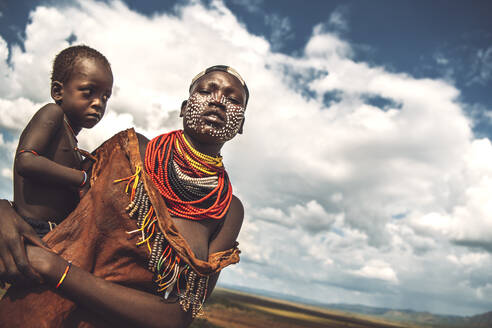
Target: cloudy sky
(365, 166)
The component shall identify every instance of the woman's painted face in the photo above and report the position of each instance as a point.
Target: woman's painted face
(216, 107)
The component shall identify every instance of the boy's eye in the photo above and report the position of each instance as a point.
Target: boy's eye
(86, 92)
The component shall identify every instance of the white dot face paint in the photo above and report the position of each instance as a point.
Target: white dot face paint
(197, 111)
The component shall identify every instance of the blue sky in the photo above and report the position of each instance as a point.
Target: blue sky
(366, 163)
(426, 39)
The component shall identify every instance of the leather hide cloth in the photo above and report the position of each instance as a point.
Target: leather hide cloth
(94, 238)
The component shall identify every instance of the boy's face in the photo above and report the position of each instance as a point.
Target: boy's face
(215, 108)
(85, 95)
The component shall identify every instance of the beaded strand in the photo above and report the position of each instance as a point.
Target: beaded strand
(163, 260)
(171, 150)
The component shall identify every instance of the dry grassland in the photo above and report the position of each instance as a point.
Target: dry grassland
(231, 309)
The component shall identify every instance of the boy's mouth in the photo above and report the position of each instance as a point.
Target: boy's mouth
(96, 116)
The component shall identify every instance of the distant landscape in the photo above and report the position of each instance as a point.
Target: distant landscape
(229, 308)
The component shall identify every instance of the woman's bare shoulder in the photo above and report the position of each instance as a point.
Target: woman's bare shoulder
(228, 233)
(235, 215)
(142, 144)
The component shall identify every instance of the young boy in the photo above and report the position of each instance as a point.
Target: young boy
(47, 168)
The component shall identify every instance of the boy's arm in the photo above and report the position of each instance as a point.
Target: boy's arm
(14, 265)
(35, 141)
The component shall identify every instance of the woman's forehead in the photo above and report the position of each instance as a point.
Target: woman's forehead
(222, 79)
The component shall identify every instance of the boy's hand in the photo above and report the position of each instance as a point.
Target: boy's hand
(87, 167)
(14, 264)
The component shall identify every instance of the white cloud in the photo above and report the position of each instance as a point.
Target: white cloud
(354, 199)
(470, 259)
(378, 270)
(7, 173)
(310, 216)
(337, 19)
(252, 6)
(481, 68)
(280, 30)
(440, 59)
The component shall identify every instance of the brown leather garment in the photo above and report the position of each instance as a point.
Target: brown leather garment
(94, 238)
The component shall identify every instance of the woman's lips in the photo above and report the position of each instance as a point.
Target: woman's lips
(214, 116)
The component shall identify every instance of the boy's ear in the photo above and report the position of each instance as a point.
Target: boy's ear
(241, 127)
(57, 91)
(183, 107)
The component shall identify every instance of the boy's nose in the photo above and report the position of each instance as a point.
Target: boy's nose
(98, 103)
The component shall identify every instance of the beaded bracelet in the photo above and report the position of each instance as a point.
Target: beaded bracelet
(64, 274)
(28, 151)
(84, 180)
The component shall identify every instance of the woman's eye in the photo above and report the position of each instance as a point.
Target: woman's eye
(234, 100)
(205, 92)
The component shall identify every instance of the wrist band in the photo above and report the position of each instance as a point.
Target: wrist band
(28, 151)
(84, 180)
(64, 274)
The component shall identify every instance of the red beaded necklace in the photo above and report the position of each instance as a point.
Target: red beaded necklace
(174, 147)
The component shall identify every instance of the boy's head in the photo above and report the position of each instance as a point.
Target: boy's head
(64, 62)
(81, 83)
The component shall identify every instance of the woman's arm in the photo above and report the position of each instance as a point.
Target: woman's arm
(122, 305)
(116, 303)
(227, 236)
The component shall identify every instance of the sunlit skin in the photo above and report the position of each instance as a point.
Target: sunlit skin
(113, 301)
(46, 186)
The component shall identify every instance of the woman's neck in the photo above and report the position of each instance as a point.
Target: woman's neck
(211, 149)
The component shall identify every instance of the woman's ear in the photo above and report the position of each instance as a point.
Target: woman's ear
(57, 91)
(241, 127)
(183, 108)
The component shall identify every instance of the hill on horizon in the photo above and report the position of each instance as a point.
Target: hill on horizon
(279, 310)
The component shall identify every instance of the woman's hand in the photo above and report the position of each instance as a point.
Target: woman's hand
(14, 265)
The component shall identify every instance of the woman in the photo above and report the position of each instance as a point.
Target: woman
(171, 196)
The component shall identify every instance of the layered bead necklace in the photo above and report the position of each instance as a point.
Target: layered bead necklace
(195, 186)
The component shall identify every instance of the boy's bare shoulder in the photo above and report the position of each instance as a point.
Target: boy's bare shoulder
(49, 112)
